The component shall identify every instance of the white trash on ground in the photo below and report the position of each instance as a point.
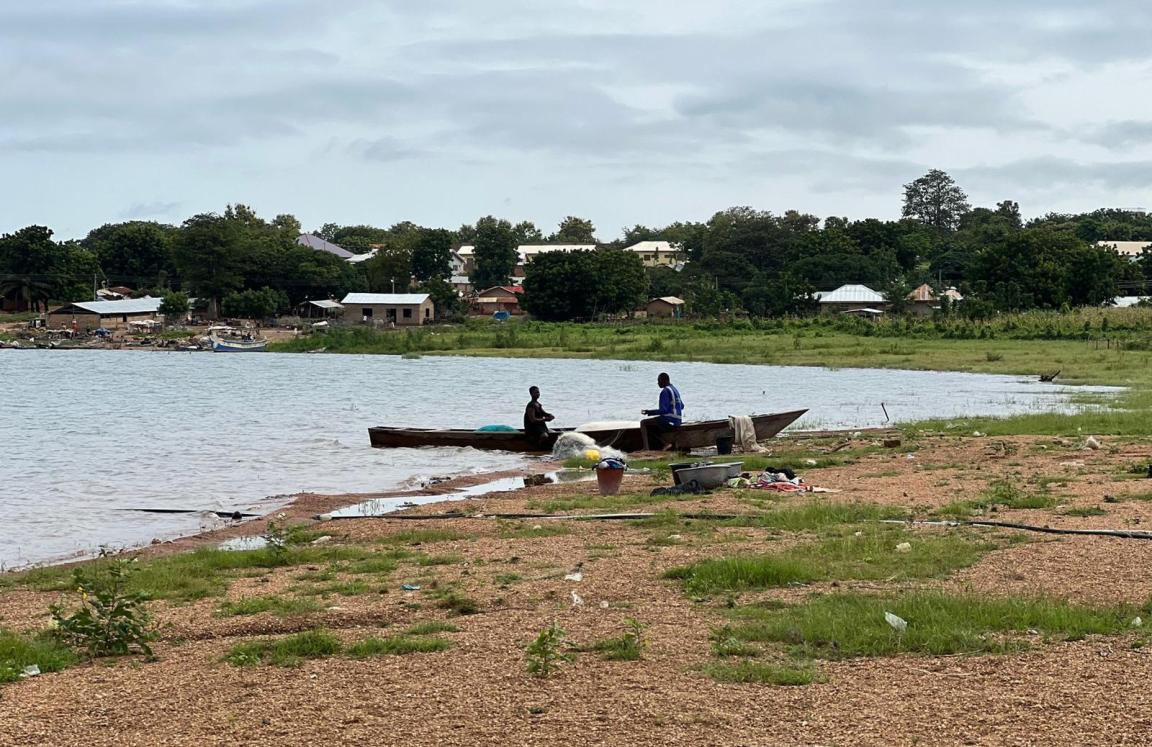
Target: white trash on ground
(898, 623)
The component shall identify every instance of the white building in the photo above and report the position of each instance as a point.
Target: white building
(851, 298)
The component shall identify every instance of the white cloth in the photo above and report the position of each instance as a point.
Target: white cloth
(744, 431)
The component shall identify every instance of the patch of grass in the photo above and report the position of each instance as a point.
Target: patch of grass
(424, 537)
(871, 555)
(627, 647)
(456, 603)
(507, 579)
(1086, 511)
(839, 626)
(341, 588)
(281, 606)
(397, 645)
(431, 627)
(815, 516)
(20, 651)
(1001, 494)
(285, 652)
(524, 530)
(763, 673)
(726, 644)
(1126, 497)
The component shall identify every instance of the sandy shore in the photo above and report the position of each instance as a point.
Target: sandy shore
(1091, 691)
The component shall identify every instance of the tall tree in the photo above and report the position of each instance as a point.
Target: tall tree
(527, 232)
(496, 254)
(207, 254)
(432, 254)
(390, 271)
(35, 268)
(136, 253)
(935, 200)
(573, 230)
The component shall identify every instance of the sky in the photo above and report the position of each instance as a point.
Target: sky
(645, 112)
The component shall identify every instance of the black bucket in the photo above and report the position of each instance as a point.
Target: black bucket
(724, 445)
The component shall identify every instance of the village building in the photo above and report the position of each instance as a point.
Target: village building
(389, 309)
(462, 284)
(323, 309)
(924, 301)
(656, 253)
(665, 307)
(90, 315)
(524, 254)
(852, 298)
(500, 298)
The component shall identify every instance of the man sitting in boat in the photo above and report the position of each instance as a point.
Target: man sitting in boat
(535, 419)
(668, 416)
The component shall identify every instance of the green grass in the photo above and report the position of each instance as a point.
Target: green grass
(280, 606)
(1001, 494)
(398, 645)
(455, 602)
(526, 530)
(871, 556)
(1086, 511)
(817, 515)
(762, 673)
(430, 560)
(285, 652)
(20, 651)
(840, 626)
(431, 627)
(341, 588)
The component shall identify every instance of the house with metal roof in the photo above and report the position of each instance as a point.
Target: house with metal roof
(1128, 249)
(319, 308)
(851, 298)
(665, 307)
(318, 244)
(498, 298)
(389, 309)
(924, 300)
(656, 253)
(89, 315)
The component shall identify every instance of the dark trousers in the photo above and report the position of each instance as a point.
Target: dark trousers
(654, 432)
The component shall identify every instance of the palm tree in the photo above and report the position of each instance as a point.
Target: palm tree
(26, 288)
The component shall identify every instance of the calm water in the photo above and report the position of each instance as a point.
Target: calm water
(89, 433)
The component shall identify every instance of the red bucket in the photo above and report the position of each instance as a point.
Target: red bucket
(608, 479)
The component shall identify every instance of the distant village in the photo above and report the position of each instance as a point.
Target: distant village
(116, 310)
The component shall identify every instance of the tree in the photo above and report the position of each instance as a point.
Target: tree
(560, 286)
(935, 200)
(34, 268)
(390, 271)
(621, 285)
(254, 304)
(174, 306)
(136, 253)
(573, 230)
(206, 253)
(432, 254)
(527, 232)
(495, 253)
(445, 298)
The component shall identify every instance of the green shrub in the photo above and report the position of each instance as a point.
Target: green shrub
(111, 621)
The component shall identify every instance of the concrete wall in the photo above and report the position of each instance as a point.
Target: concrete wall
(384, 314)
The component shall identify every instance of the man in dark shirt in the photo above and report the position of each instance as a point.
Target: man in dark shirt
(535, 419)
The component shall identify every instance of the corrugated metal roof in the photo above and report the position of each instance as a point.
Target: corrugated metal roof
(923, 294)
(663, 247)
(320, 245)
(673, 300)
(146, 305)
(1123, 302)
(358, 258)
(326, 304)
(851, 294)
(393, 299)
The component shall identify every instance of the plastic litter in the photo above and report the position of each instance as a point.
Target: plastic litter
(904, 547)
(1091, 443)
(576, 600)
(322, 540)
(1137, 622)
(410, 587)
(573, 445)
(898, 623)
(575, 576)
(32, 670)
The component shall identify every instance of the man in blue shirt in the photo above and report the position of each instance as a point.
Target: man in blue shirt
(667, 417)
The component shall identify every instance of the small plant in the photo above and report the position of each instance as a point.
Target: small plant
(111, 620)
(276, 538)
(285, 652)
(546, 653)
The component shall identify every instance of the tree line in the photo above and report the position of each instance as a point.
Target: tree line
(741, 260)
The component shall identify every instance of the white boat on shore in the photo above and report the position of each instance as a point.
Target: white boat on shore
(237, 344)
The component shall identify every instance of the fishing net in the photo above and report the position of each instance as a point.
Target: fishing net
(572, 445)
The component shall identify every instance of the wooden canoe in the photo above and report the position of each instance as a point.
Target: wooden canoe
(693, 435)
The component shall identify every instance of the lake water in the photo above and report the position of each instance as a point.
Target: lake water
(87, 434)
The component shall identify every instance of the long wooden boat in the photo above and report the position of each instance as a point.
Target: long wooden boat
(692, 435)
(237, 345)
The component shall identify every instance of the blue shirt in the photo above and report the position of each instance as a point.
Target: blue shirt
(671, 406)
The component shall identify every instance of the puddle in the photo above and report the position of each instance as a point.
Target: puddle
(243, 543)
(384, 506)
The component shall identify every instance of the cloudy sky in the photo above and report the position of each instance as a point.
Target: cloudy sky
(440, 111)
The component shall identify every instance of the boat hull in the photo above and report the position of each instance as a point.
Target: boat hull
(697, 435)
(238, 346)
